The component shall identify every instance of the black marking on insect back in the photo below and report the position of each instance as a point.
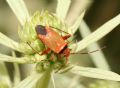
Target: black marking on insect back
(40, 29)
(63, 49)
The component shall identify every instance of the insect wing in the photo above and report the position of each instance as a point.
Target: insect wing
(51, 39)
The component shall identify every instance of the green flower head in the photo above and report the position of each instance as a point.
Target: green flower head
(28, 34)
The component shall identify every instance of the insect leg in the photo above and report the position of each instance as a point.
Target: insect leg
(52, 58)
(66, 36)
(46, 51)
(33, 49)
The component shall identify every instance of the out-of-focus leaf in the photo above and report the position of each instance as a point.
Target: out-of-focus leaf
(75, 26)
(16, 75)
(98, 57)
(43, 82)
(74, 13)
(94, 73)
(62, 8)
(19, 9)
(4, 40)
(98, 34)
(30, 81)
(4, 76)
(7, 58)
(53, 80)
(63, 81)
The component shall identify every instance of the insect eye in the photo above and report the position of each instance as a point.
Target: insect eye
(40, 29)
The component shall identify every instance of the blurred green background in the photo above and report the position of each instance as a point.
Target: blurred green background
(97, 14)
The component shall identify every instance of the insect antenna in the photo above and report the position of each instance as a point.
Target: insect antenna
(90, 51)
(33, 49)
(59, 29)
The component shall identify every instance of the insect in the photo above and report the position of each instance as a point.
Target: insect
(53, 40)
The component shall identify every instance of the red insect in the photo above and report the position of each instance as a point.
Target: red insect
(53, 40)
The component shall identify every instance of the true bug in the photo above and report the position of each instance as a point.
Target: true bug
(53, 40)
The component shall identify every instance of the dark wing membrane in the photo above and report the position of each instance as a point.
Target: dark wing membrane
(52, 40)
(40, 30)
